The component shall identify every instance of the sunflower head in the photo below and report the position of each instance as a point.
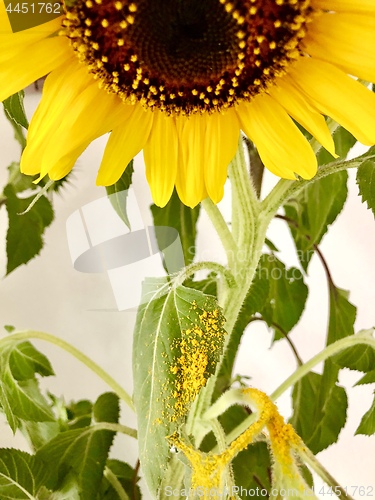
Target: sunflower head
(187, 56)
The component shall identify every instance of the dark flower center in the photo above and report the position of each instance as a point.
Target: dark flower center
(185, 56)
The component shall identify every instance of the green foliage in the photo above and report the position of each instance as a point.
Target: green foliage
(366, 183)
(182, 218)
(20, 397)
(319, 403)
(319, 413)
(21, 475)
(286, 297)
(367, 425)
(25, 233)
(252, 468)
(178, 340)
(15, 112)
(83, 451)
(118, 193)
(311, 212)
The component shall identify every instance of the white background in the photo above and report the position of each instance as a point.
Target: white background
(49, 295)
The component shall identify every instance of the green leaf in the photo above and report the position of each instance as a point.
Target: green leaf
(25, 232)
(360, 358)
(366, 183)
(367, 425)
(127, 478)
(25, 361)
(15, 112)
(318, 402)
(369, 378)
(84, 451)
(178, 340)
(252, 469)
(318, 426)
(118, 193)
(16, 476)
(21, 475)
(311, 212)
(342, 314)
(286, 297)
(20, 397)
(182, 218)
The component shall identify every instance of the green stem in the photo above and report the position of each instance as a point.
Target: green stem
(115, 483)
(29, 334)
(309, 458)
(221, 228)
(331, 350)
(123, 429)
(201, 266)
(328, 352)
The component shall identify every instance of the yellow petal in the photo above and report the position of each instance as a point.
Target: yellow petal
(124, 143)
(190, 183)
(345, 40)
(60, 90)
(220, 145)
(281, 146)
(37, 60)
(337, 95)
(298, 108)
(354, 6)
(161, 156)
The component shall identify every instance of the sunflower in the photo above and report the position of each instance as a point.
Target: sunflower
(181, 78)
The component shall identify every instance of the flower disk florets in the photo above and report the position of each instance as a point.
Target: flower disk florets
(186, 56)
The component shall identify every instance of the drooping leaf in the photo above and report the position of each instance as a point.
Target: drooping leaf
(182, 218)
(118, 195)
(318, 425)
(367, 425)
(20, 397)
(286, 297)
(313, 210)
(25, 232)
(84, 450)
(366, 183)
(178, 340)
